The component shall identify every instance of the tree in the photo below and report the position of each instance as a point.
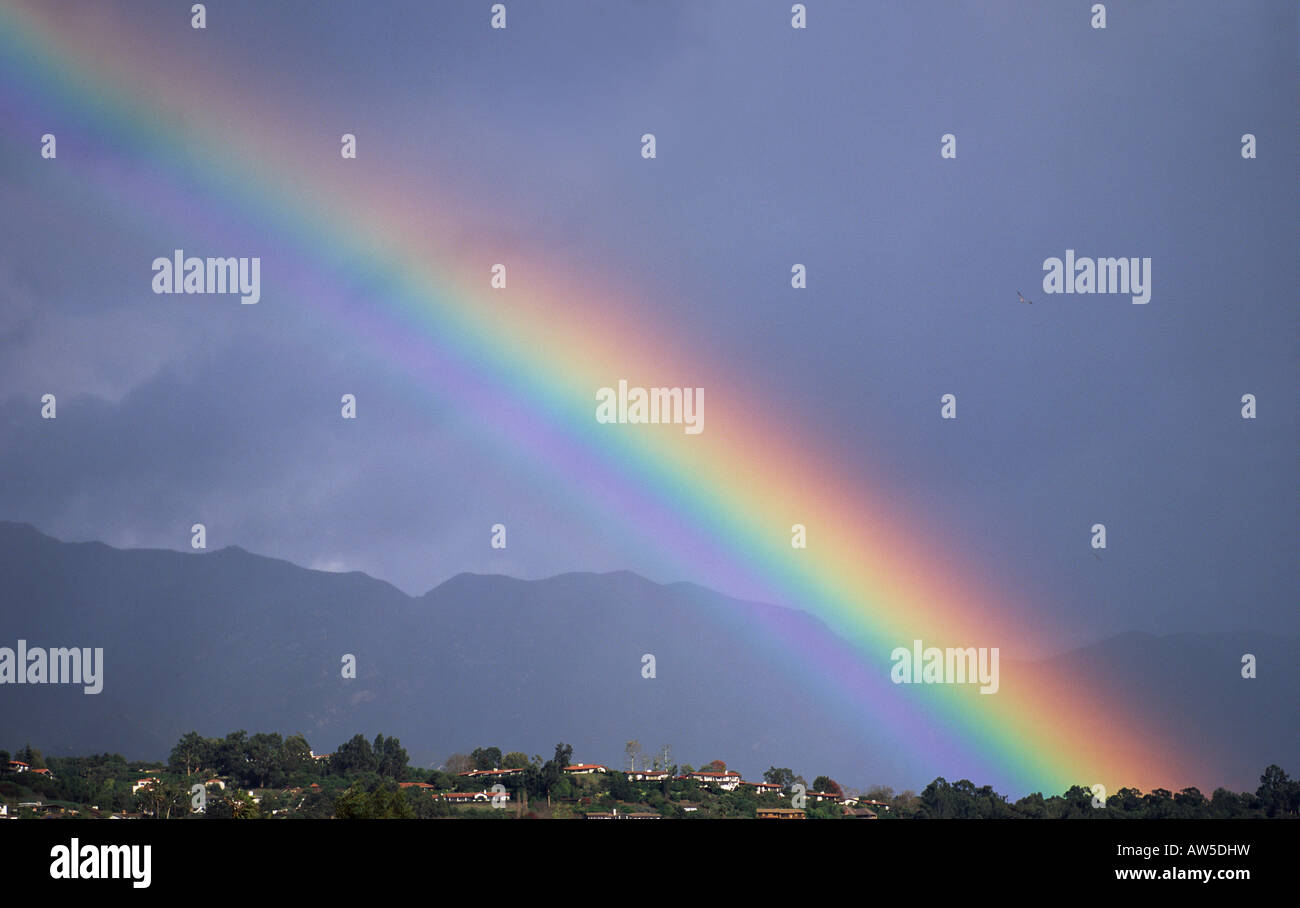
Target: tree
(1129, 800)
(34, 759)
(353, 804)
(486, 757)
(355, 756)
(390, 757)
(161, 799)
(1192, 801)
(620, 789)
(714, 766)
(440, 779)
(631, 751)
(1032, 806)
(1278, 795)
(265, 759)
(458, 763)
(386, 802)
(828, 785)
(1227, 804)
(189, 754)
(231, 755)
(514, 760)
(824, 810)
(296, 754)
(783, 777)
(962, 800)
(532, 782)
(553, 770)
(1158, 805)
(1077, 802)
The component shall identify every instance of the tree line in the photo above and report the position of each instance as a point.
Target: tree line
(360, 779)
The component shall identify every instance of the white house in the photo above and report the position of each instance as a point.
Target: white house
(492, 774)
(584, 769)
(727, 781)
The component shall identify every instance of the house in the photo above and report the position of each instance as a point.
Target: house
(647, 775)
(861, 813)
(471, 797)
(18, 766)
(43, 772)
(727, 781)
(215, 781)
(143, 783)
(780, 813)
(584, 769)
(818, 796)
(764, 788)
(492, 774)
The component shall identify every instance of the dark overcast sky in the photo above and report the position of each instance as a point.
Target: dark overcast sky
(820, 147)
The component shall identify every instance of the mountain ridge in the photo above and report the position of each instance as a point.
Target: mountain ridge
(242, 640)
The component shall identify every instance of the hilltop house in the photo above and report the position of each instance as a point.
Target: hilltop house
(727, 781)
(861, 813)
(780, 813)
(492, 774)
(470, 797)
(648, 775)
(615, 815)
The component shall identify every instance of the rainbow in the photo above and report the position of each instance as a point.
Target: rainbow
(727, 497)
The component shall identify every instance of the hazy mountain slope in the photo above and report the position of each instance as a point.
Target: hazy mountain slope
(227, 640)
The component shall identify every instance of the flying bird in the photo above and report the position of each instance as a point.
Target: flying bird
(1022, 298)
